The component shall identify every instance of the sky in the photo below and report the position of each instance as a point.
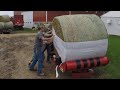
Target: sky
(10, 13)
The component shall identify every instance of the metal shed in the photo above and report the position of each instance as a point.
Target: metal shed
(112, 22)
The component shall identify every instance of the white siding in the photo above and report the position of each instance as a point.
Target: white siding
(28, 19)
(112, 14)
(113, 28)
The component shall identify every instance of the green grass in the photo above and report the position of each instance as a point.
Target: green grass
(112, 70)
(26, 30)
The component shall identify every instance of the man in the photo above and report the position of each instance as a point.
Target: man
(48, 48)
(37, 51)
(48, 35)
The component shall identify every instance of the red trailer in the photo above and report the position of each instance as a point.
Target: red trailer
(18, 21)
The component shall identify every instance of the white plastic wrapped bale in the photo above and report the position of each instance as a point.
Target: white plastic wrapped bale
(79, 37)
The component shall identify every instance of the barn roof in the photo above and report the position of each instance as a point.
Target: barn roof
(112, 14)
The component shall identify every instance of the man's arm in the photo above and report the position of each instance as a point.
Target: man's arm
(40, 36)
(48, 40)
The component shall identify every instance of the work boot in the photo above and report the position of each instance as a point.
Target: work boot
(41, 74)
(32, 68)
(30, 62)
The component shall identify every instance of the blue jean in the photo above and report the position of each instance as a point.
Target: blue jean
(48, 48)
(37, 56)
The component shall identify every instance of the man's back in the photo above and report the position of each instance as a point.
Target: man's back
(38, 40)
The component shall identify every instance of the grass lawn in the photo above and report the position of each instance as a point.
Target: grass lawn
(26, 30)
(112, 70)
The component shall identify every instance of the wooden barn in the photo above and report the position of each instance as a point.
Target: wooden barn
(31, 17)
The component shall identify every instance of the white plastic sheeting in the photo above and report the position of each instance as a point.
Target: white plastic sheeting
(69, 51)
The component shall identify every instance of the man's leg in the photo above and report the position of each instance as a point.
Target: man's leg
(48, 53)
(52, 47)
(39, 69)
(34, 60)
(43, 50)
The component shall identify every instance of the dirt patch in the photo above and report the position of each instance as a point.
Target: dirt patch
(15, 53)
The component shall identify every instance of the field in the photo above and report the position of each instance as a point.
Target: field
(16, 52)
(112, 70)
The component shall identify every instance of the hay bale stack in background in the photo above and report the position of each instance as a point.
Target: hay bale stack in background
(5, 22)
(42, 25)
(81, 36)
(77, 28)
(4, 18)
(1, 25)
(8, 25)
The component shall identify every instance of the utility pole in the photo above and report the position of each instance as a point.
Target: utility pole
(46, 16)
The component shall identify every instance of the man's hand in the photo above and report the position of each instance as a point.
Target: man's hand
(46, 35)
(48, 40)
(54, 58)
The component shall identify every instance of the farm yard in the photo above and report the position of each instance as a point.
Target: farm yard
(82, 42)
(16, 52)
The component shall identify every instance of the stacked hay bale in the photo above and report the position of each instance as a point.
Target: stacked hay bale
(5, 22)
(1, 25)
(4, 18)
(8, 25)
(47, 35)
(41, 24)
(79, 36)
(36, 26)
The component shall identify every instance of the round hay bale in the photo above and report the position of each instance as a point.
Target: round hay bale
(4, 18)
(1, 25)
(8, 25)
(79, 28)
